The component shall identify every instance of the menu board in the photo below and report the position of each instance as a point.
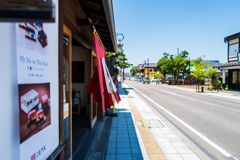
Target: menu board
(33, 90)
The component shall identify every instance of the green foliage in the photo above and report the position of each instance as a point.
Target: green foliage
(181, 62)
(163, 64)
(186, 76)
(170, 64)
(121, 60)
(208, 80)
(219, 85)
(211, 72)
(158, 75)
(134, 70)
(199, 71)
(212, 88)
(108, 54)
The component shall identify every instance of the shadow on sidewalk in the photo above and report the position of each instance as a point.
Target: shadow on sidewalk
(123, 141)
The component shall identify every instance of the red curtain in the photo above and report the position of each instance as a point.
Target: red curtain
(96, 84)
(94, 87)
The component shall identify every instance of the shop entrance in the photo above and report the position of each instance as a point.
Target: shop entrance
(80, 96)
(80, 111)
(234, 79)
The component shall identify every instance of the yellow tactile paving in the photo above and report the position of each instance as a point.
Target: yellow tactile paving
(149, 144)
(153, 149)
(156, 156)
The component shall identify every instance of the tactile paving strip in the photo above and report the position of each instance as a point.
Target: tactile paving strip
(152, 147)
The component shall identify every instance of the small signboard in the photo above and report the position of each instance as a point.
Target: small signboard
(238, 55)
(75, 100)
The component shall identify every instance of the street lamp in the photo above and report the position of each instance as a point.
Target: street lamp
(120, 45)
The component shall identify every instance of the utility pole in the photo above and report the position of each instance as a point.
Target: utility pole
(123, 74)
(178, 68)
(189, 72)
(148, 67)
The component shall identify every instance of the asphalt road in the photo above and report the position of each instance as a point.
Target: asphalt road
(216, 118)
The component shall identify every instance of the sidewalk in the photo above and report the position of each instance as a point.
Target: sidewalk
(138, 133)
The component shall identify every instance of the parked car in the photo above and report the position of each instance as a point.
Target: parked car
(153, 79)
(139, 79)
(134, 78)
(146, 80)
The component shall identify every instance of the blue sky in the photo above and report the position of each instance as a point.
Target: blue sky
(152, 27)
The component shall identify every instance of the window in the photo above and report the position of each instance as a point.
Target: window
(234, 77)
(233, 49)
(239, 78)
(150, 70)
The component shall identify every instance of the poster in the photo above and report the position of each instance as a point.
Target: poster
(33, 90)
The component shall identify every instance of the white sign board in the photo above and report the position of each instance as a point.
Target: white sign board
(33, 90)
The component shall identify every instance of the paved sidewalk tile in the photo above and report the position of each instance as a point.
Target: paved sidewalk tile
(169, 145)
(123, 143)
(131, 138)
(110, 156)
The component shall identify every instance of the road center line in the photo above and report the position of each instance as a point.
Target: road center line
(224, 152)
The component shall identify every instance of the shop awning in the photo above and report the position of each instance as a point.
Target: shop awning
(103, 11)
(230, 65)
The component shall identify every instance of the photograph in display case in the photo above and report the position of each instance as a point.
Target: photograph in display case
(34, 109)
(33, 36)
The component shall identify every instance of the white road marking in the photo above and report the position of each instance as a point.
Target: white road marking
(224, 152)
(235, 99)
(187, 97)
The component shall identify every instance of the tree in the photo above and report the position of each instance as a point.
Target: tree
(121, 61)
(158, 75)
(108, 54)
(181, 62)
(163, 65)
(170, 64)
(134, 70)
(211, 72)
(199, 71)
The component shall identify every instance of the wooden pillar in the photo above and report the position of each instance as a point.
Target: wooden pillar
(68, 33)
(60, 76)
(91, 96)
(99, 111)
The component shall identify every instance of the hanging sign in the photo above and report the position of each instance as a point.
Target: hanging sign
(33, 90)
(238, 54)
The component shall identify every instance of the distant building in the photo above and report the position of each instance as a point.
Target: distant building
(215, 64)
(233, 63)
(126, 75)
(147, 70)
